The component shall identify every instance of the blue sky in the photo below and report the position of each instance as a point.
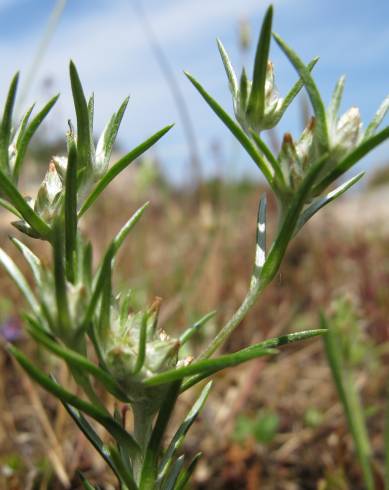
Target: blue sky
(109, 46)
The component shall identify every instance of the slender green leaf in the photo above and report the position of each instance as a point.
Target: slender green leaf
(195, 327)
(150, 464)
(10, 266)
(6, 205)
(378, 118)
(293, 92)
(119, 166)
(28, 134)
(239, 134)
(32, 260)
(179, 436)
(18, 201)
(228, 360)
(108, 137)
(126, 477)
(320, 202)
(65, 396)
(141, 344)
(185, 475)
(6, 125)
(336, 99)
(63, 312)
(260, 251)
(80, 363)
(171, 479)
(313, 92)
(71, 212)
(84, 143)
(256, 103)
(349, 397)
(92, 437)
(357, 154)
(270, 157)
(243, 92)
(233, 84)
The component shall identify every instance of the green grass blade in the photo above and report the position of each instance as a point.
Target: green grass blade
(323, 201)
(239, 134)
(179, 436)
(195, 327)
(10, 266)
(28, 134)
(256, 103)
(119, 166)
(230, 360)
(71, 212)
(313, 92)
(150, 464)
(18, 201)
(84, 143)
(353, 410)
(6, 125)
(363, 149)
(65, 396)
(233, 84)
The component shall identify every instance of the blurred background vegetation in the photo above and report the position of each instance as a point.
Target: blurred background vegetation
(276, 423)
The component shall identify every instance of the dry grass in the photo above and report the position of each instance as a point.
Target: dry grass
(196, 251)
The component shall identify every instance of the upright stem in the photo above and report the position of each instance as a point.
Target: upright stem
(142, 432)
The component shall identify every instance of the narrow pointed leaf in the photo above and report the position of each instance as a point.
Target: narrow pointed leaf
(320, 202)
(313, 92)
(270, 157)
(228, 360)
(80, 363)
(18, 201)
(233, 84)
(336, 100)
(363, 149)
(170, 482)
(65, 396)
(28, 134)
(92, 436)
(239, 134)
(6, 205)
(71, 212)
(63, 313)
(378, 118)
(84, 143)
(293, 92)
(119, 166)
(150, 464)
(141, 345)
(15, 273)
(126, 477)
(108, 137)
(260, 250)
(256, 103)
(179, 436)
(193, 329)
(32, 260)
(185, 475)
(6, 125)
(243, 91)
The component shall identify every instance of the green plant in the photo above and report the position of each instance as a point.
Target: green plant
(73, 312)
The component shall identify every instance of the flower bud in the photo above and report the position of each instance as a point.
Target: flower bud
(49, 193)
(346, 133)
